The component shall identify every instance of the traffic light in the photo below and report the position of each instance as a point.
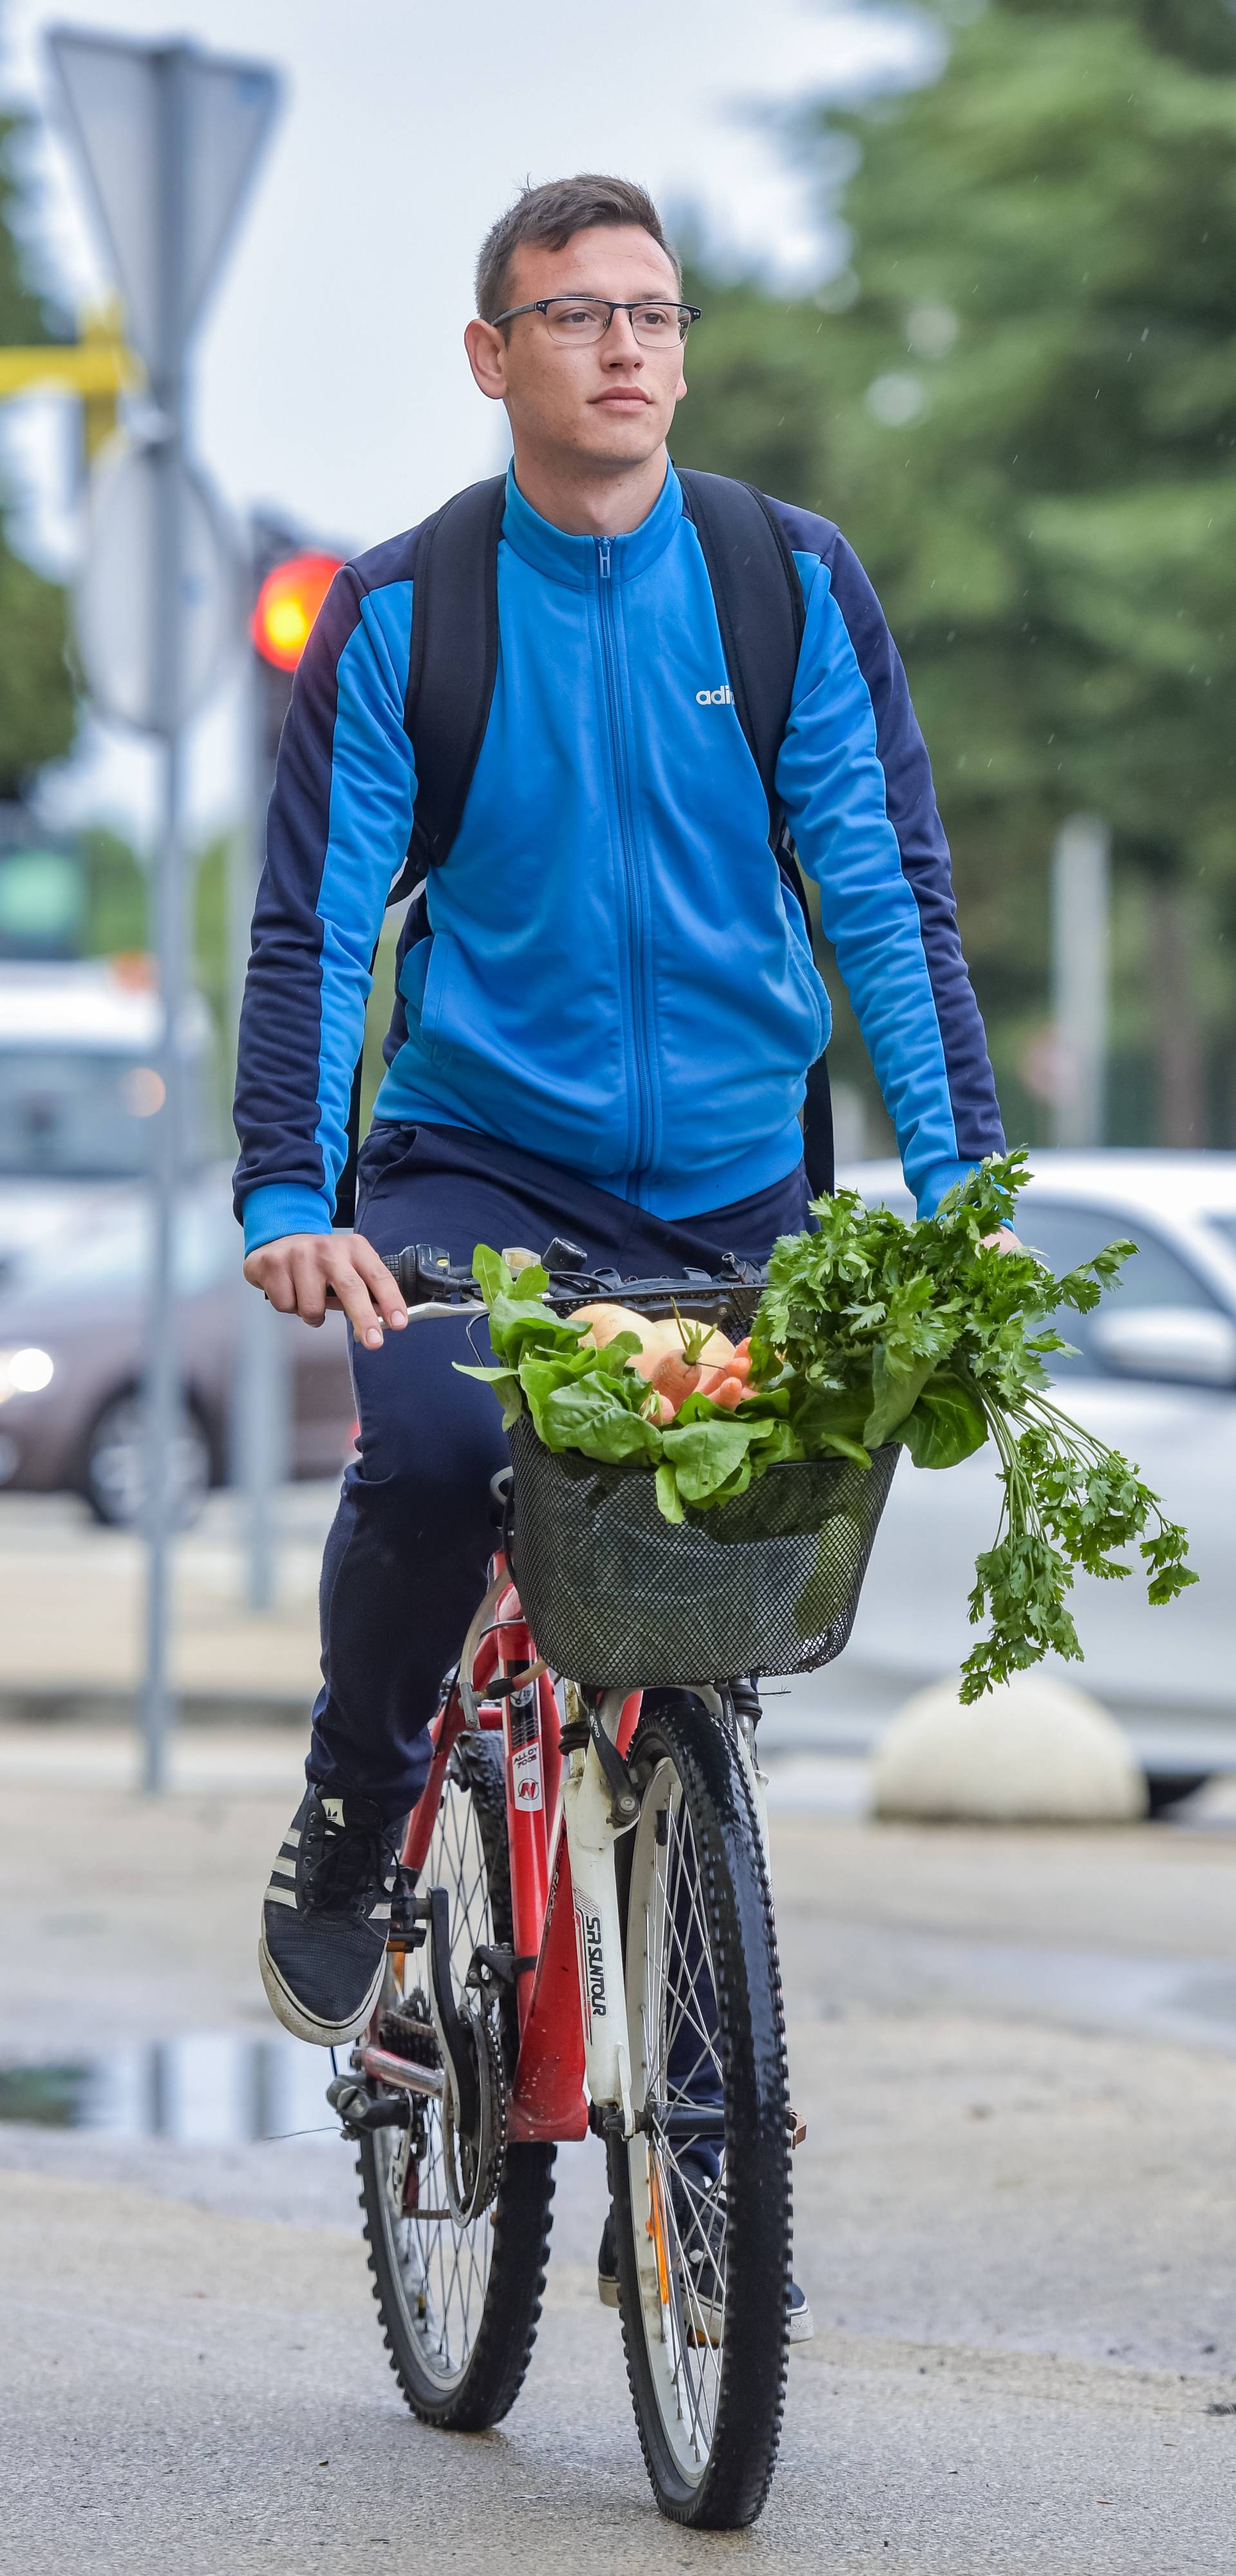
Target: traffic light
(288, 603)
(290, 581)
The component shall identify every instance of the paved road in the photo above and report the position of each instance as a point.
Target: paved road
(1017, 2055)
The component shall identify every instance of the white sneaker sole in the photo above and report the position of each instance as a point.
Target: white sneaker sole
(303, 2025)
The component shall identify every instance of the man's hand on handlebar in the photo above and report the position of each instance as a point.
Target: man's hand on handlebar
(303, 1274)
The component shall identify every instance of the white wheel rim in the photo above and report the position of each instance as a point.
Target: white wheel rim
(442, 2269)
(683, 2332)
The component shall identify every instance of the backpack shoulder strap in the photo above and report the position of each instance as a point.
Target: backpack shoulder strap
(759, 604)
(452, 665)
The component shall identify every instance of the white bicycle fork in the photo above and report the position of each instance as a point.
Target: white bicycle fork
(591, 1838)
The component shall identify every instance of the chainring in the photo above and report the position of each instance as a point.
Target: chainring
(472, 2166)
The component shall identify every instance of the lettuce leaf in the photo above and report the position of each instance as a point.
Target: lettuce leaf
(947, 1423)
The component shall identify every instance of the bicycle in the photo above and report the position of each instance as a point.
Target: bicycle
(582, 1935)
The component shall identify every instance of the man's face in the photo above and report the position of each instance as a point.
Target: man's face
(610, 402)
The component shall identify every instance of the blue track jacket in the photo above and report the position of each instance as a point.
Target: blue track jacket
(614, 977)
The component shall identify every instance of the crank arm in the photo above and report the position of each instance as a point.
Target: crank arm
(684, 2121)
(448, 2021)
(387, 2068)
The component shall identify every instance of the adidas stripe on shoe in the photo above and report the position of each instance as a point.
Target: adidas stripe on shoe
(326, 1915)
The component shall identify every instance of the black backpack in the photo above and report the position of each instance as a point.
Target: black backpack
(454, 662)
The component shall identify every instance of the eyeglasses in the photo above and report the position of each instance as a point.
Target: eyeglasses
(575, 321)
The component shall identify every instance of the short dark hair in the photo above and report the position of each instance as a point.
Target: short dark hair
(552, 214)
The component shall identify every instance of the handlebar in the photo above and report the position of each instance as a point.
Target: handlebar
(429, 1278)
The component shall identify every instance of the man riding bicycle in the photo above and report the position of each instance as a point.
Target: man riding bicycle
(604, 1030)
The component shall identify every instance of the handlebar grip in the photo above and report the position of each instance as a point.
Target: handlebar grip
(424, 1272)
(402, 1266)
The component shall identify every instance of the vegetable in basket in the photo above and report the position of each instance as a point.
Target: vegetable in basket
(870, 1330)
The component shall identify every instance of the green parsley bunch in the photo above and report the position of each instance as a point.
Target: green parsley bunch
(930, 1335)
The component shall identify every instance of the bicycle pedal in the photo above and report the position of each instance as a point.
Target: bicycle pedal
(409, 1914)
(360, 2110)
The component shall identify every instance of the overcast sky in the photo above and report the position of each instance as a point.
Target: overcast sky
(330, 378)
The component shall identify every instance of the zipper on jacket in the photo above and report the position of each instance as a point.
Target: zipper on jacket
(636, 945)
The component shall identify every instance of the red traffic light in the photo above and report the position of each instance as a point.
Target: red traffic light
(288, 603)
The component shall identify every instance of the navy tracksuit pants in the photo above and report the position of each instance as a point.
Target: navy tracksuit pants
(406, 1558)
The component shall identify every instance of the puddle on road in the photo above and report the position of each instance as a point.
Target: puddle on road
(204, 2088)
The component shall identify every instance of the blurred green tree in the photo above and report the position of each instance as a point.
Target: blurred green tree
(37, 705)
(1019, 399)
(117, 895)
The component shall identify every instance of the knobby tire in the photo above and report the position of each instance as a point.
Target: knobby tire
(518, 2222)
(680, 1742)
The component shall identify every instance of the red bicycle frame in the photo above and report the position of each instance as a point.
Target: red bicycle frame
(547, 2098)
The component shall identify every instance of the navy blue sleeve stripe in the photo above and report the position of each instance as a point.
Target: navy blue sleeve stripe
(281, 1021)
(372, 795)
(912, 811)
(337, 831)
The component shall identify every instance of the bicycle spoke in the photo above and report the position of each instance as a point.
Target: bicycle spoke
(678, 2031)
(695, 2355)
(446, 2266)
(704, 2175)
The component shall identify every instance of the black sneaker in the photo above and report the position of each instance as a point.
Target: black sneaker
(802, 2323)
(326, 1916)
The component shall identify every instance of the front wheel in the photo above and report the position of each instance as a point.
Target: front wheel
(701, 2192)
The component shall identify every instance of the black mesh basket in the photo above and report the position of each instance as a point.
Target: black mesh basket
(616, 1596)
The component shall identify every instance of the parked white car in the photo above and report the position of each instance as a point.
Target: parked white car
(1155, 1376)
(78, 1092)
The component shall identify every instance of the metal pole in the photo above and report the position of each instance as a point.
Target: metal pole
(262, 1443)
(261, 1440)
(244, 855)
(162, 1385)
(1080, 947)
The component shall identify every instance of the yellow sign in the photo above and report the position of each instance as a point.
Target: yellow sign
(95, 370)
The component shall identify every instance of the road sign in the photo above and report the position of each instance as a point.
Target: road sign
(117, 95)
(117, 606)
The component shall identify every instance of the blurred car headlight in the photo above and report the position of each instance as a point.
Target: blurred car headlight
(25, 1372)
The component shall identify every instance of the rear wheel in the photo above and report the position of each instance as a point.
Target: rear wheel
(701, 2193)
(459, 2302)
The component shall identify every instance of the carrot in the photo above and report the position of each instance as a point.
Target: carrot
(730, 1393)
(682, 1369)
(676, 1377)
(714, 1381)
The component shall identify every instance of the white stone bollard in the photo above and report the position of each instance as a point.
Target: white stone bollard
(1036, 1751)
